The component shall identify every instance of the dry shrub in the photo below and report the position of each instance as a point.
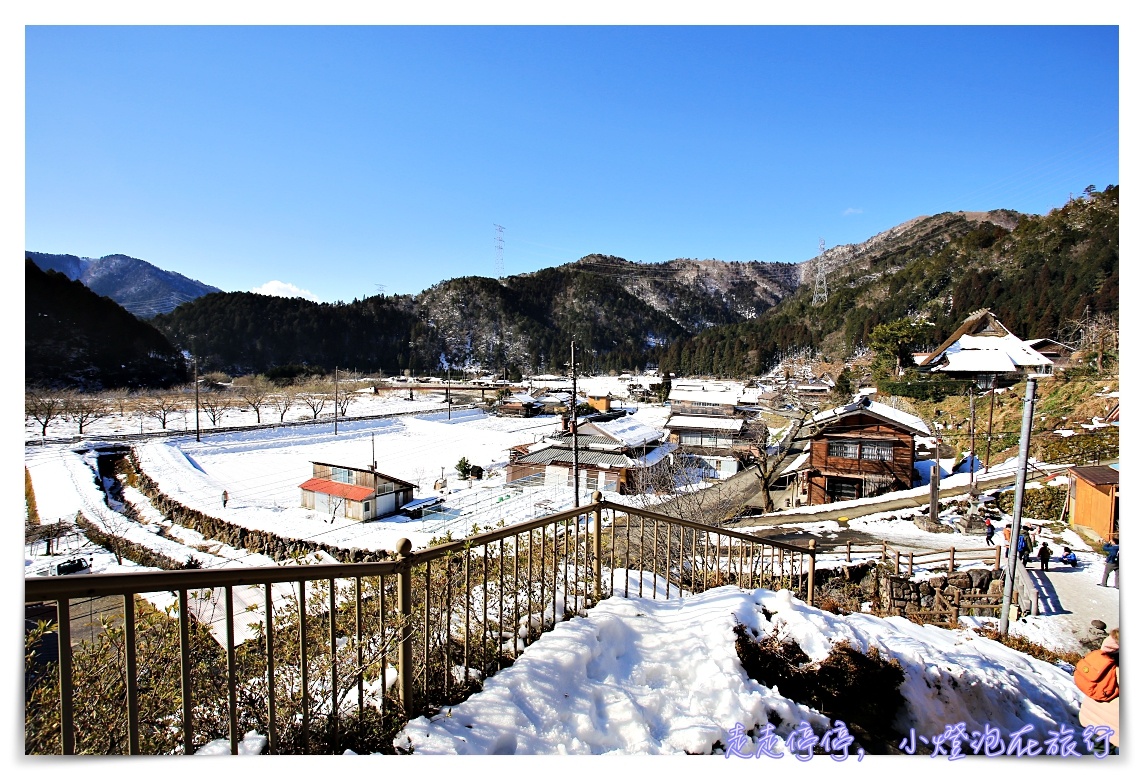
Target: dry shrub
(1023, 645)
(860, 689)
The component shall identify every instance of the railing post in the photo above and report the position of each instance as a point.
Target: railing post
(848, 551)
(405, 610)
(597, 545)
(883, 551)
(911, 572)
(997, 557)
(897, 562)
(810, 574)
(952, 558)
(956, 607)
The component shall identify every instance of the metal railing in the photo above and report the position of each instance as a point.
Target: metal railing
(949, 559)
(424, 628)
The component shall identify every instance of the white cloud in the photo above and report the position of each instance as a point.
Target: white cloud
(850, 211)
(284, 290)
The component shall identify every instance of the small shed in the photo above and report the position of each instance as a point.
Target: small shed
(1094, 500)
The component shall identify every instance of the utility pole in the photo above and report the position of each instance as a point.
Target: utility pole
(448, 403)
(575, 437)
(972, 444)
(989, 436)
(335, 400)
(198, 435)
(1018, 501)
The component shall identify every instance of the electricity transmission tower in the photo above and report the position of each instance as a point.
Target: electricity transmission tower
(498, 246)
(820, 275)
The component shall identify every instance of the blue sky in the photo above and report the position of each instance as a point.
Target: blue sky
(344, 160)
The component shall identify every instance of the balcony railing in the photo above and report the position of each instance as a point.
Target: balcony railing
(336, 650)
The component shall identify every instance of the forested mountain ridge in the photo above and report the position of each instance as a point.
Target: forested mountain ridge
(138, 286)
(616, 311)
(1036, 273)
(76, 338)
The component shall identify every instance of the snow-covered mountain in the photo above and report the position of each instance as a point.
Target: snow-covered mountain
(136, 285)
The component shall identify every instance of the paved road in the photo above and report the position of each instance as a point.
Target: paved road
(1074, 596)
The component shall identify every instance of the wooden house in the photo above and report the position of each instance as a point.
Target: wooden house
(610, 456)
(983, 350)
(1094, 500)
(862, 449)
(359, 494)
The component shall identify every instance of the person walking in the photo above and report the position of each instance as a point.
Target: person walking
(1045, 554)
(225, 498)
(1023, 551)
(1111, 564)
(989, 530)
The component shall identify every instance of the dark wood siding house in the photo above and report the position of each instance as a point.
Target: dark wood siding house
(860, 450)
(359, 494)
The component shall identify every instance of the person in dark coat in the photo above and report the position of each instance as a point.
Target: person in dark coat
(1045, 554)
(1111, 564)
(989, 531)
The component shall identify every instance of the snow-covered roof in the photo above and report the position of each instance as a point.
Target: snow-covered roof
(522, 398)
(728, 397)
(1020, 353)
(983, 361)
(629, 431)
(701, 422)
(878, 410)
(796, 464)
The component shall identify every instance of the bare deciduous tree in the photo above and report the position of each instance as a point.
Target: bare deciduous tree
(43, 406)
(83, 409)
(255, 392)
(216, 403)
(316, 394)
(162, 406)
(283, 399)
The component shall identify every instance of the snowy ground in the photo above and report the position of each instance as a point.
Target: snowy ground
(648, 677)
(634, 676)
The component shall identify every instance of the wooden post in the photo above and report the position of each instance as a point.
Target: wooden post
(848, 551)
(598, 546)
(952, 559)
(935, 472)
(810, 574)
(997, 557)
(883, 551)
(911, 572)
(405, 609)
(956, 607)
(897, 561)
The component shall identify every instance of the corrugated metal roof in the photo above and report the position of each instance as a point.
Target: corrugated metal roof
(339, 489)
(1097, 475)
(562, 456)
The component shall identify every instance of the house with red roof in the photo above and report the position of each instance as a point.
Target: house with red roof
(359, 494)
